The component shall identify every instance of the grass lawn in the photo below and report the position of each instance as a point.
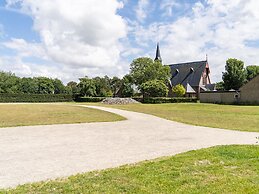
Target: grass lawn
(222, 169)
(243, 118)
(43, 114)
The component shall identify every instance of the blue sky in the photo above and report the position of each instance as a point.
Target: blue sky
(69, 39)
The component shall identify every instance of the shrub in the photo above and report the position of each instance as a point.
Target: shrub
(154, 88)
(36, 98)
(89, 99)
(179, 90)
(167, 100)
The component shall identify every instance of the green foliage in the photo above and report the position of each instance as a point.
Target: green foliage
(220, 86)
(59, 87)
(235, 75)
(102, 86)
(9, 83)
(89, 99)
(45, 85)
(35, 98)
(179, 90)
(72, 88)
(154, 88)
(126, 88)
(115, 84)
(252, 71)
(145, 69)
(160, 100)
(87, 87)
(28, 86)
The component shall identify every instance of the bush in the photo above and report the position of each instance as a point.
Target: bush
(36, 98)
(89, 99)
(166, 100)
(179, 90)
(154, 88)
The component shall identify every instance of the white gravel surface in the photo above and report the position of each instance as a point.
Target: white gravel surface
(36, 153)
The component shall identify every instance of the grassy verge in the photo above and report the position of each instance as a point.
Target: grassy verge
(243, 118)
(222, 169)
(44, 114)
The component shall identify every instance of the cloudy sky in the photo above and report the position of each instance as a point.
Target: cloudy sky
(68, 39)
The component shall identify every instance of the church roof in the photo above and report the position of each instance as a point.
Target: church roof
(187, 73)
(158, 55)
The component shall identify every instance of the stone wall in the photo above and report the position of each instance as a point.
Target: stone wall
(249, 93)
(228, 97)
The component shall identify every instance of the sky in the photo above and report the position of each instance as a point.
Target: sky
(69, 39)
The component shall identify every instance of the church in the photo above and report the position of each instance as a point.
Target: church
(194, 76)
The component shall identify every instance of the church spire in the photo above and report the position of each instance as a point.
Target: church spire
(158, 55)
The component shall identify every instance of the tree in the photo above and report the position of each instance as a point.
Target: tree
(102, 85)
(154, 88)
(116, 84)
(127, 88)
(59, 87)
(235, 75)
(252, 71)
(72, 88)
(45, 85)
(28, 86)
(87, 87)
(145, 69)
(9, 83)
(179, 90)
(220, 86)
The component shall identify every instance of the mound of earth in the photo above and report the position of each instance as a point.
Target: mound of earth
(119, 101)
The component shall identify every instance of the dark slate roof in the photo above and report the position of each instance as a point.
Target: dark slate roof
(158, 55)
(190, 72)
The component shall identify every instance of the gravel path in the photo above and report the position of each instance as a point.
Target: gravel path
(35, 153)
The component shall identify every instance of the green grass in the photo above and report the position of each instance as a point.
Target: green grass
(242, 118)
(12, 115)
(222, 169)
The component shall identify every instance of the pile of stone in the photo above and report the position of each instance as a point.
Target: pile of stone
(119, 101)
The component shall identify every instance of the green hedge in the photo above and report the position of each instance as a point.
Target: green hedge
(166, 100)
(36, 98)
(89, 99)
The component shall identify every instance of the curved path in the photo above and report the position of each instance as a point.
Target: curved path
(35, 153)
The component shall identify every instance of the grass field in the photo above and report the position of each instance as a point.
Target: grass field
(243, 118)
(43, 114)
(223, 169)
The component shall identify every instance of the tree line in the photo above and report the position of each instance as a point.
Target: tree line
(146, 77)
(97, 86)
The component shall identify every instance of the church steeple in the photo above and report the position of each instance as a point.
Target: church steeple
(158, 55)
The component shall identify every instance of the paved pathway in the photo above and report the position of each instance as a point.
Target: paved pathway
(35, 153)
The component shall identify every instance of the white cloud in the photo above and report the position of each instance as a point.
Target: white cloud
(25, 49)
(168, 5)
(142, 10)
(80, 35)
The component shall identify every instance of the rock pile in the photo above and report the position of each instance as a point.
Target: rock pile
(119, 101)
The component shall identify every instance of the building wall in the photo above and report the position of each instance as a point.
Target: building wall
(229, 97)
(249, 93)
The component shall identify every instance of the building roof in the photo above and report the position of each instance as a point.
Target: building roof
(187, 73)
(158, 55)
